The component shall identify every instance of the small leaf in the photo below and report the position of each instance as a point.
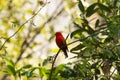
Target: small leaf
(89, 29)
(78, 31)
(24, 67)
(91, 9)
(27, 66)
(9, 61)
(45, 72)
(103, 7)
(11, 70)
(73, 52)
(97, 23)
(81, 7)
(74, 33)
(59, 68)
(30, 72)
(77, 25)
(24, 73)
(78, 47)
(45, 62)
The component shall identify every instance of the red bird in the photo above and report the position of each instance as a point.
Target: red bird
(61, 43)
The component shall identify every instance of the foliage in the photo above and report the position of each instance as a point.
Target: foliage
(98, 44)
(96, 52)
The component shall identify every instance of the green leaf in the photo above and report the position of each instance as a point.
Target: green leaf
(91, 9)
(30, 72)
(24, 67)
(59, 68)
(27, 66)
(97, 23)
(40, 72)
(103, 7)
(89, 29)
(45, 72)
(74, 52)
(9, 61)
(11, 70)
(23, 73)
(81, 7)
(75, 33)
(77, 25)
(78, 47)
(85, 53)
(45, 62)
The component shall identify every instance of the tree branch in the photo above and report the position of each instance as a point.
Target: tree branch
(50, 76)
(20, 27)
(26, 43)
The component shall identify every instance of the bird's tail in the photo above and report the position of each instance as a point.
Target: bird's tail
(65, 53)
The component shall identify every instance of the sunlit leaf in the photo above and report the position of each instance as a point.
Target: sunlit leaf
(59, 68)
(77, 33)
(103, 7)
(45, 62)
(78, 20)
(78, 47)
(89, 29)
(81, 7)
(91, 10)
(27, 66)
(30, 72)
(11, 70)
(9, 61)
(45, 72)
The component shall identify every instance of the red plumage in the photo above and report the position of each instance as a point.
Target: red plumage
(61, 43)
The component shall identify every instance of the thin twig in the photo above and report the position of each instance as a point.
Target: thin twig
(112, 72)
(20, 27)
(81, 39)
(50, 76)
(38, 31)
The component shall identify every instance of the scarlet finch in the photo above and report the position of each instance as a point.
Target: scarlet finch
(61, 43)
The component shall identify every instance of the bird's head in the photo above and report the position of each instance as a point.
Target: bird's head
(58, 33)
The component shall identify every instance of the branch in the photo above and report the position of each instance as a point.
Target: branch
(27, 43)
(50, 76)
(113, 72)
(91, 35)
(20, 27)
